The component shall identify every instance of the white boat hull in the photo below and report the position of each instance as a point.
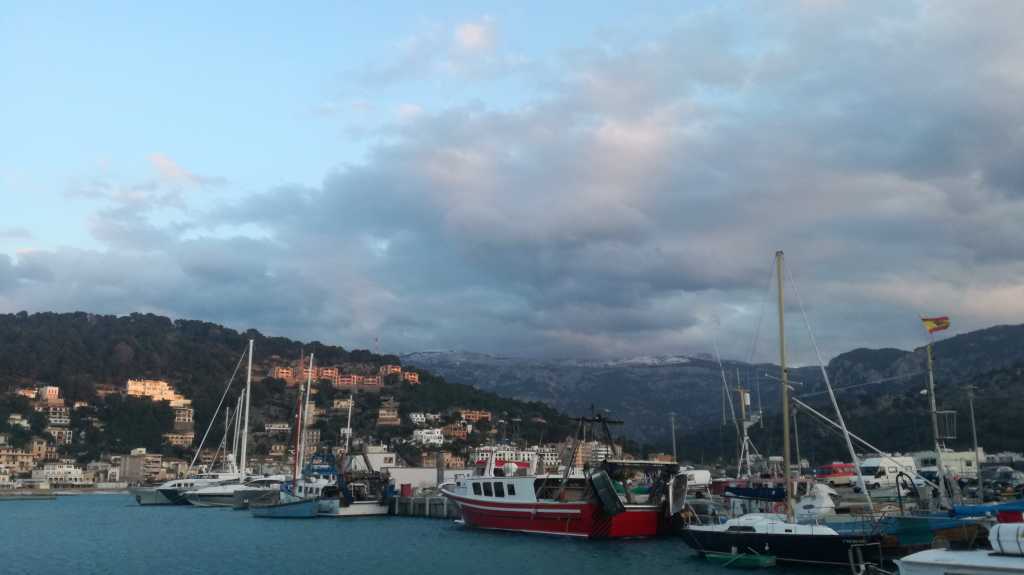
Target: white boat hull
(149, 496)
(332, 508)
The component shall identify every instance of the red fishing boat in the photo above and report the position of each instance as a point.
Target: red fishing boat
(614, 499)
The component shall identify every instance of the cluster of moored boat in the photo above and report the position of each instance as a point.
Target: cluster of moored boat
(317, 486)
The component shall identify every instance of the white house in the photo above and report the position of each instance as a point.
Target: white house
(431, 436)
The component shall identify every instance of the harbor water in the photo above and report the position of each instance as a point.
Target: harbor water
(100, 534)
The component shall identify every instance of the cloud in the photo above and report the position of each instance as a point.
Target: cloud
(171, 173)
(639, 198)
(475, 37)
(15, 233)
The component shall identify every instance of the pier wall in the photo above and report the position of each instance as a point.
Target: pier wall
(435, 507)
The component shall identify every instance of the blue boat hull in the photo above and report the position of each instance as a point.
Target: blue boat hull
(303, 509)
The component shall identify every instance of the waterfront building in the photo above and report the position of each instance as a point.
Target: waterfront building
(16, 461)
(372, 381)
(379, 456)
(38, 447)
(140, 467)
(285, 373)
(549, 457)
(63, 473)
(525, 459)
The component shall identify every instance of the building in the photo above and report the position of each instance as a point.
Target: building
(81, 405)
(180, 439)
(525, 459)
(411, 377)
(18, 420)
(418, 418)
(433, 436)
(156, 390)
(63, 473)
(348, 380)
(454, 431)
(61, 435)
(389, 369)
(277, 427)
(58, 415)
(312, 440)
(549, 457)
(474, 415)
(449, 460)
(285, 373)
(16, 461)
(379, 456)
(387, 414)
(48, 393)
(27, 392)
(140, 467)
(278, 449)
(39, 448)
(341, 404)
(183, 419)
(372, 381)
(329, 373)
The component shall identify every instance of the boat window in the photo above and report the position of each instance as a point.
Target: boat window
(744, 528)
(511, 489)
(499, 489)
(488, 491)
(476, 488)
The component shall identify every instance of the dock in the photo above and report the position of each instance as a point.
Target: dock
(430, 506)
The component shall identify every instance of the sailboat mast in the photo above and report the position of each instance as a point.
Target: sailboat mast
(940, 472)
(348, 424)
(302, 410)
(974, 439)
(785, 389)
(245, 425)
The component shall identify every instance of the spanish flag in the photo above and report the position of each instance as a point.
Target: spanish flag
(934, 324)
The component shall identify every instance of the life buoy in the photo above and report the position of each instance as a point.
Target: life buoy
(778, 507)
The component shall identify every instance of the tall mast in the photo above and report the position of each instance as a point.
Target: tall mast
(224, 440)
(974, 438)
(935, 430)
(245, 425)
(348, 425)
(302, 410)
(235, 438)
(672, 416)
(785, 389)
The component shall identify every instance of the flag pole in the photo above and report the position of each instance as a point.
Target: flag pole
(940, 471)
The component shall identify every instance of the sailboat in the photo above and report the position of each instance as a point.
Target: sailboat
(775, 534)
(357, 492)
(222, 494)
(173, 492)
(296, 499)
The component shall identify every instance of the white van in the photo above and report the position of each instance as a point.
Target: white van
(882, 471)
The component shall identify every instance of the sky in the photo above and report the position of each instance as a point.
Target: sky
(577, 179)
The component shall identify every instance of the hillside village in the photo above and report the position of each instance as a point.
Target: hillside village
(44, 437)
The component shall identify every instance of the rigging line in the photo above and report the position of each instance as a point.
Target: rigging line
(725, 384)
(828, 386)
(216, 411)
(856, 385)
(760, 317)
